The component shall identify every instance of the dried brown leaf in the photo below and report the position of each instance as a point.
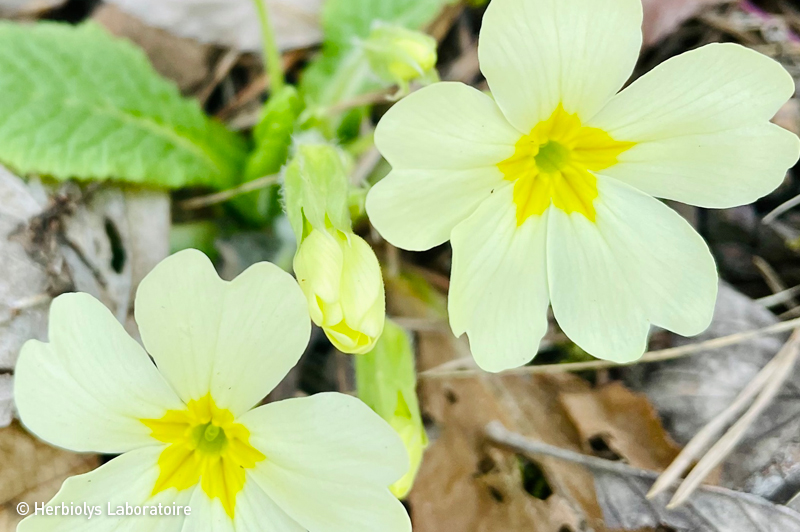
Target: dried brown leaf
(625, 421)
(100, 241)
(185, 61)
(33, 472)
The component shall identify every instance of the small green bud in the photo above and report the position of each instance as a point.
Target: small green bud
(399, 55)
(386, 382)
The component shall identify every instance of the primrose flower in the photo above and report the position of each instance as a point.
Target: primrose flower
(337, 270)
(546, 190)
(185, 424)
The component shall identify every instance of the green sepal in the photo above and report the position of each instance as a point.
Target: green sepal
(386, 382)
(315, 190)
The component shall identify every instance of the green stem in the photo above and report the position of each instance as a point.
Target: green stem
(272, 56)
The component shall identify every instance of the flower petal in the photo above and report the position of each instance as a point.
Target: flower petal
(498, 292)
(363, 297)
(254, 509)
(579, 53)
(330, 460)
(235, 339)
(418, 209)
(127, 479)
(88, 389)
(640, 263)
(207, 515)
(445, 126)
(700, 121)
(444, 143)
(254, 512)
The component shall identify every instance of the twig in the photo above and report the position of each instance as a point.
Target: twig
(500, 436)
(250, 92)
(223, 68)
(370, 98)
(366, 165)
(225, 195)
(787, 358)
(422, 324)
(25, 304)
(497, 435)
(772, 278)
(781, 298)
(652, 356)
(780, 209)
(702, 440)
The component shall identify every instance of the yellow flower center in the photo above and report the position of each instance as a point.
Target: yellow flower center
(554, 165)
(206, 446)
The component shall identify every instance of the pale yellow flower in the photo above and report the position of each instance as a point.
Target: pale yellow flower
(186, 426)
(546, 188)
(341, 278)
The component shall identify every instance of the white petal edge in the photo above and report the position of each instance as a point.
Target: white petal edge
(539, 54)
(330, 462)
(234, 339)
(498, 292)
(127, 479)
(640, 263)
(700, 121)
(88, 389)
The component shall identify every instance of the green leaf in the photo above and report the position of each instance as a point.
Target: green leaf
(78, 103)
(273, 138)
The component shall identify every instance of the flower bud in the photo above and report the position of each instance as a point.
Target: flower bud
(399, 55)
(386, 381)
(341, 279)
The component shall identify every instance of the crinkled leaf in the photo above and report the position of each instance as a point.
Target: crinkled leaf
(78, 103)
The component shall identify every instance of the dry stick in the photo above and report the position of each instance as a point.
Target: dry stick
(772, 278)
(725, 445)
(223, 196)
(370, 98)
(501, 437)
(652, 356)
(703, 439)
(222, 69)
(780, 298)
(780, 209)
